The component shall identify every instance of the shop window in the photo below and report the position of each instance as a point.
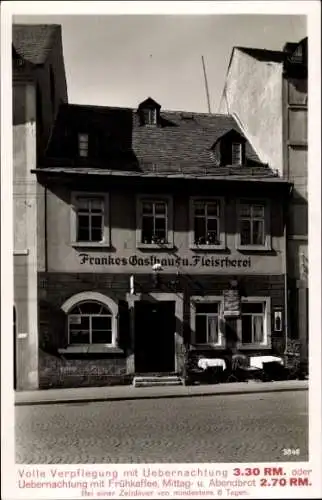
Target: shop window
(206, 323)
(90, 323)
(253, 326)
(90, 224)
(207, 223)
(155, 222)
(253, 225)
(83, 145)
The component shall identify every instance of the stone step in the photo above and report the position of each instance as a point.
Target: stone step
(156, 381)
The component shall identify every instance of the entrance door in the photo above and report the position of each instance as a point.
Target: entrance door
(154, 337)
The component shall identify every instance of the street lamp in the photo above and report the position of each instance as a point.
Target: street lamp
(156, 268)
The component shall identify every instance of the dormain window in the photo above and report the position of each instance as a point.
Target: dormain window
(83, 145)
(207, 324)
(207, 222)
(154, 224)
(253, 224)
(149, 116)
(236, 153)
(90, 219)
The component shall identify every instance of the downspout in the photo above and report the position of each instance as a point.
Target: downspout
(46, 232)
(285, 236)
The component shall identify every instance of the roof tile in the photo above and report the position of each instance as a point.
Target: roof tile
(33, 42)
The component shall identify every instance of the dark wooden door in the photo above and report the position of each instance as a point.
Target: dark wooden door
(154, 337)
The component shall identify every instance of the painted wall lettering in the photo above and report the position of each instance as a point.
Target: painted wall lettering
(136, 261)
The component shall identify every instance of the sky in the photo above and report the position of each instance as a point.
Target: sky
(114, 60)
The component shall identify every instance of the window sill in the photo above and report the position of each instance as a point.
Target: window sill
(254, 248)
(195, 345)
(254, 346)
(154, 246)
(90, 244)
(204, 248)
(91, 349)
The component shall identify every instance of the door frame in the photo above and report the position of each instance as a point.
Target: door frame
(177, 298)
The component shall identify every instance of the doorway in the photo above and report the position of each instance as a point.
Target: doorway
(155, 324)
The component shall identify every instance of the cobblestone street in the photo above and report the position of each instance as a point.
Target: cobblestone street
(233, 428)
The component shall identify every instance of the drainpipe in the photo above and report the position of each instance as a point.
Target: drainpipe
(46, 233)
(285, 236)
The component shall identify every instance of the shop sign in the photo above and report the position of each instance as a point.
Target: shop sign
(232, 303)
(136, 261)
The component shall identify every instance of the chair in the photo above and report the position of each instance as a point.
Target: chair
(240, 369)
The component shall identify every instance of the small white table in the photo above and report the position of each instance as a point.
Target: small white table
(205, 363)
(257, 361)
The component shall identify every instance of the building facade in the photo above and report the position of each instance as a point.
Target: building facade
(39, 87)
(161, 232)
(267, 92)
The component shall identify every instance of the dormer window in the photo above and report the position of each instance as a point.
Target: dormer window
(236, 153)
(149, 112)
(83, 145)
(150, 116)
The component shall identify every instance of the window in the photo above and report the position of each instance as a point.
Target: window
(253, 323)
(206, 222)
(83, 145)
(252, 224)
(90, 323)
(90, 219)
(150, 116)
(154, 224)
(207, 324)
(236, 153)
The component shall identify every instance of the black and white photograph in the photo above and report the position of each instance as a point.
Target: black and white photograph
(159, 277)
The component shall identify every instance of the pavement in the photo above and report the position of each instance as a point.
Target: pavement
(128, 392)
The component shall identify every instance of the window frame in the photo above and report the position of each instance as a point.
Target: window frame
(240, 152)
(168, 200)
(106, 240)
(221, 220)
(80, 142)
(266, 226)
(207, 299)
(90, 316)
(267, 327)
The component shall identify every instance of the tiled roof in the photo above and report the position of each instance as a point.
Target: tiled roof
(181, 145)
(34, 41)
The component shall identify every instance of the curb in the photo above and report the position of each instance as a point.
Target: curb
(156, 396)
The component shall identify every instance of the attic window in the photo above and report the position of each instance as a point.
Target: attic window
(236, 153)
(83, 145)
(149, 116)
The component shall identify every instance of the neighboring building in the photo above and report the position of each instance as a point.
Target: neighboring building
(150, 218)
(267, 93)
(39, 87)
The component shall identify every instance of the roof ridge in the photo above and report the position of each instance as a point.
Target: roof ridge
(171, 111)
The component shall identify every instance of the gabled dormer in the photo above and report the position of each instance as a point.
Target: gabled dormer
(149, 112)
(229, 149)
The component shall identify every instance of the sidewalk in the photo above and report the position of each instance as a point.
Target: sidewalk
(128, 392)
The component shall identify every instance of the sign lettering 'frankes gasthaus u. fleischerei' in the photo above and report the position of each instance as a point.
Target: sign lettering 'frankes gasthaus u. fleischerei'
(137, 261)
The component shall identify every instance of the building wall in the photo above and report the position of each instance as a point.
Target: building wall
(25, 235)
(252, 92)
(63, 257)
(55, 288)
